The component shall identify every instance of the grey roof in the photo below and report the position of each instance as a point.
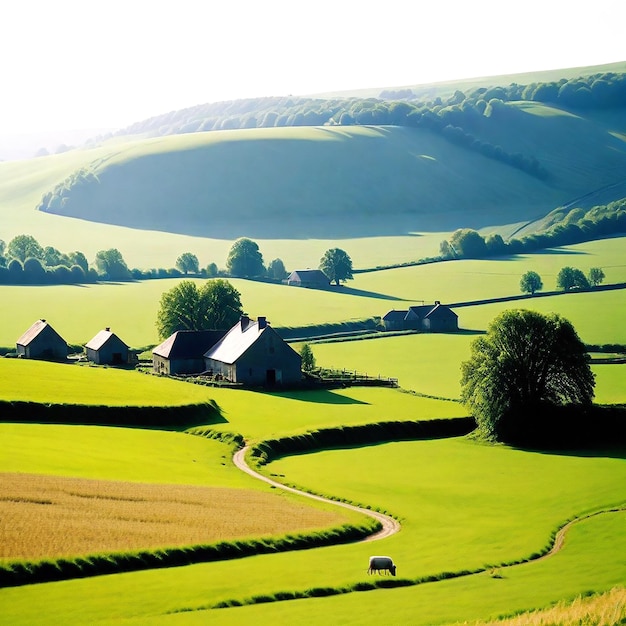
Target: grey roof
(395, 316)
(188, 344)
(34, 331)
(237, 341)
(101, 338)
(441, 309)
(309, 276)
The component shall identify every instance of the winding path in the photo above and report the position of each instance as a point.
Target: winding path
(390, 526)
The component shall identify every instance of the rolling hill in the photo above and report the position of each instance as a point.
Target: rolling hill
(496, 164)
(301, 182)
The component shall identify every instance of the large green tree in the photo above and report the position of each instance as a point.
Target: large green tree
(595, 276)
(526, 360)
(245, 259)
(337, 265)
(24, 246)
(111, 264)
(530, 282)
(188, 262)
(216, 305)
(468, 243)
(571, 278)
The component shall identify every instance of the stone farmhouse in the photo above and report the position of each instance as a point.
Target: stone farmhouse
(106, 348)
(183, 351)
(253, 353)
(315, 279)
(433, 318)
(41, 341)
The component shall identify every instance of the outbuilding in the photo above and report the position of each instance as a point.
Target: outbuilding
(41, 341)
(433, 318)
(315, 279)
(106, 348)
(183, 351)
(253, 353)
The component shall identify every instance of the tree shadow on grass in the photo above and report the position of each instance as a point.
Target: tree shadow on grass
(318, 396)
(351, 291)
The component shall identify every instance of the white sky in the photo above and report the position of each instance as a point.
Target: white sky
(72, 64)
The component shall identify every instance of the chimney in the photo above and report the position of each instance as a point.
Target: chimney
(244, 321)
(262, 322)
(108, 329)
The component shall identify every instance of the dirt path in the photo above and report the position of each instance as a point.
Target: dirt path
(390, 525)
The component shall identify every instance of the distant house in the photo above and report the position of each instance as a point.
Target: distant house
(394, 320)
(183, 351)
(434, 318)
(253, 353)
(308, 278)
(106, 348)
(41, 341)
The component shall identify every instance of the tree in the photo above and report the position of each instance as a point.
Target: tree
(78, 258)
(595, 276)
(526, 360)
(52, 257)
(188, 262)
(276, 269)
(530, 282)
(34, 270)
(244, 259)
(111, 264)
(2, 247)
(308, 359)
(468, 243)
(211, 270)
(337, 265)
(216, 305)
(24, 246)
(571, 278)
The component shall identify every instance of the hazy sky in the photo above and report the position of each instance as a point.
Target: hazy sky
(71, 64)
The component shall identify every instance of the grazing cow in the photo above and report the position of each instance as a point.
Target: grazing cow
(381, 564)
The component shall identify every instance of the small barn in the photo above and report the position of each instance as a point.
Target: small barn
(433, 318)
(106, 348)
(41, 341)
(253, 353)
(315, 279)
(183, 351)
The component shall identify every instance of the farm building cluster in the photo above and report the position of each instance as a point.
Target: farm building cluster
(250, 353)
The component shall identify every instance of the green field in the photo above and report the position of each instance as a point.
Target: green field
(130, 309)
(38, 381)
(473, 516)
(447, 493)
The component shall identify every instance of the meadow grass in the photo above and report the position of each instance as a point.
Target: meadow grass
(130, 309)
(43, 382)
(431, 363)
(602, 609)
(451, 486)
(261, 416)
(53, 517)
(120, 454)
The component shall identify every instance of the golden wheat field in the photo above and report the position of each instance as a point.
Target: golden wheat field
(606, 609)
(52, 517)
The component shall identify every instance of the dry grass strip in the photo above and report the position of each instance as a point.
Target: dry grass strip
(606, 609)
(57, 517)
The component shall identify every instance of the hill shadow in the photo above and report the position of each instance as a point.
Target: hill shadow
(317, 396)
(363, 293)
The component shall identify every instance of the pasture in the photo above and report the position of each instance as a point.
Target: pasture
(462, 505)
(130, 309)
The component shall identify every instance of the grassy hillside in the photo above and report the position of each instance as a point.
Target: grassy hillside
(293, 182)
